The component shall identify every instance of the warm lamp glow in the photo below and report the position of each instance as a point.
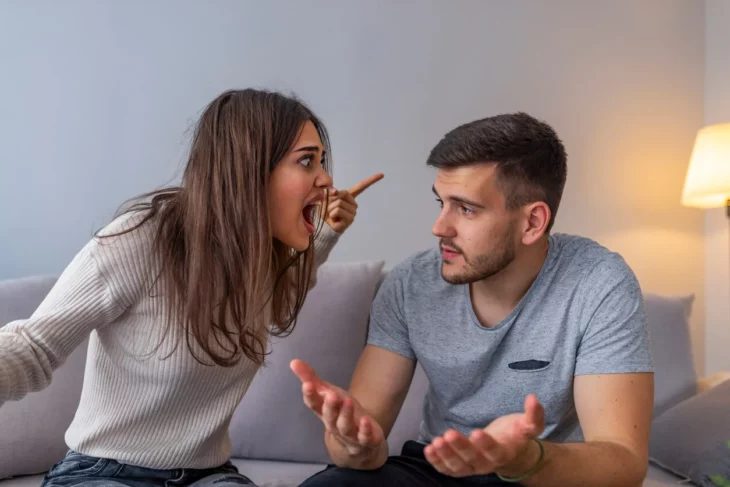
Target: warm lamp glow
(708, 178)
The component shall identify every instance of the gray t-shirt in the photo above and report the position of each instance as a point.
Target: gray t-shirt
(583, 315)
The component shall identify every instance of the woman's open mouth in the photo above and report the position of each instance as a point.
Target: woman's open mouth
(308, 214)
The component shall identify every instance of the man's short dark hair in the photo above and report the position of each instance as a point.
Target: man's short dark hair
(530, 158)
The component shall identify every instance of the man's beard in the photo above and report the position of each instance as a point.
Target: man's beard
(485, 265)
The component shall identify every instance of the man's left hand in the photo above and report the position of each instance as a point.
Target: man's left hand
(505, 447)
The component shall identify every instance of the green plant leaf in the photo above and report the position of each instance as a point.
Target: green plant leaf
(718, 480)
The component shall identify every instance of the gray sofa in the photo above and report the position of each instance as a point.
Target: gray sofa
(275, 440)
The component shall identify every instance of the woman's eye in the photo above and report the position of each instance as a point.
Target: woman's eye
(306, 161)
(441, 203)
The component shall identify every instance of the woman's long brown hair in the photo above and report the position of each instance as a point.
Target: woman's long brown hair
(219, 266)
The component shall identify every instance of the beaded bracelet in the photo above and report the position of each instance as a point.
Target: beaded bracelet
(532, 470)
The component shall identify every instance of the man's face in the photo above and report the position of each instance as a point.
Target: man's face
(478, 237)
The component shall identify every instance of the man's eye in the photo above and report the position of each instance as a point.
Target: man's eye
(466, 211)
(441, 203)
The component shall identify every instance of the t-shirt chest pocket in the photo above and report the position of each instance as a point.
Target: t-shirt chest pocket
(532, 365)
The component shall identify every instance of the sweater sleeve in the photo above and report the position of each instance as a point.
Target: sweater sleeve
(97, 286)
(31, 349)
(323, 245)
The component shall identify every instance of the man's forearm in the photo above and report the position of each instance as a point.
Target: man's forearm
(598, 464)
(369, 460)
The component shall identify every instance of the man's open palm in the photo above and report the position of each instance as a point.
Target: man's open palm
(342, 415)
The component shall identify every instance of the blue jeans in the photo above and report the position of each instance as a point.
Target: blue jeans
(78, 469)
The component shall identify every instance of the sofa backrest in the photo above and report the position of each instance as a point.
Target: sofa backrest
(272, 422)
(330, 334)
(675, 377)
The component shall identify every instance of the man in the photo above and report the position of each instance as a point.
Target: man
(535, 345)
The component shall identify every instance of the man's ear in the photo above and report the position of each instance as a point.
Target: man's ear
(536, 217)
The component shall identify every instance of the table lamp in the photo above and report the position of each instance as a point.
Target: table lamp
(708, 178)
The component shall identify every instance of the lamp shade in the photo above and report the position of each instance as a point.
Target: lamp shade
(707, 184)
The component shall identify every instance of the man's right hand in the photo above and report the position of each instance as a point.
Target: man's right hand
(343, 417)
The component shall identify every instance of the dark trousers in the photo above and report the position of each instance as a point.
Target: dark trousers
(409, 469)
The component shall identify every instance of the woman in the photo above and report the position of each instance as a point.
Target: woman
(179, 295)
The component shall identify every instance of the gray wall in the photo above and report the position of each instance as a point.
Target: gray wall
(96, 97)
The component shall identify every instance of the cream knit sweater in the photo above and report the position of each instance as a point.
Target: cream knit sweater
(156, 408)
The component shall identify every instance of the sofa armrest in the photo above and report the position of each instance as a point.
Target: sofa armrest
(711, 381)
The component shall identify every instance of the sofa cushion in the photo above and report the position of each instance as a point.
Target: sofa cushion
(408, 424)
(19, 298)
(272, 422)
(692, 439)
(657, 477)
(24, 481)
(32, 430)
(675, 378)
(267, 473)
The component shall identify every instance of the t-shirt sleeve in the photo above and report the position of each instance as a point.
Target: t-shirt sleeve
(616, 338)
(388, 327)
